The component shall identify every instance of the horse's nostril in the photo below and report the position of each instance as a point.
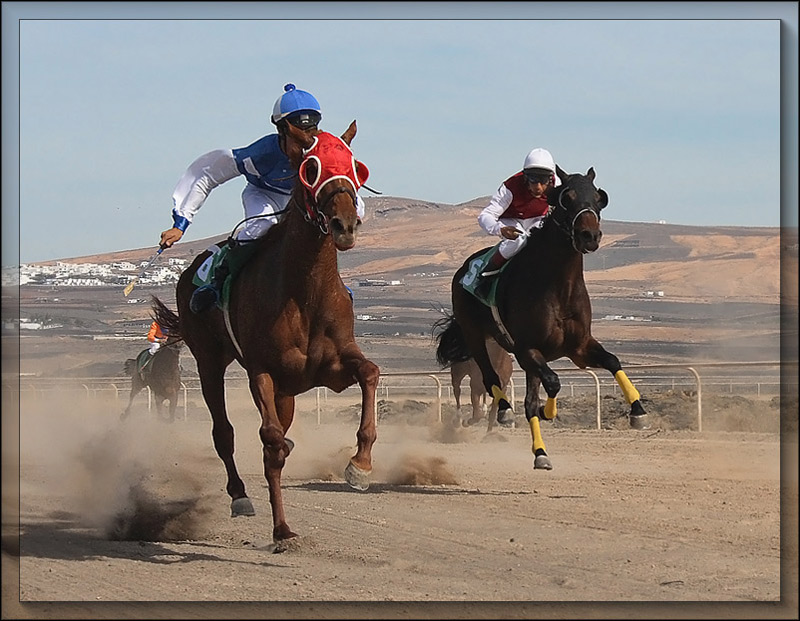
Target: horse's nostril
(337, 226)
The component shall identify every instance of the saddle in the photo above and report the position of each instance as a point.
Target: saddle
(477, 286)
(143, 363)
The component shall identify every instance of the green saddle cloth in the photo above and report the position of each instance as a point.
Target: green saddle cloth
(142, 361)
(472, 279)
(206, 270)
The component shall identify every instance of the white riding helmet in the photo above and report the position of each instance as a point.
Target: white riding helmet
(540, 159)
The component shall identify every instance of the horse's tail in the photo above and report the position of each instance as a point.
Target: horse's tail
(130, 366)
(167, 319)
(451, 346)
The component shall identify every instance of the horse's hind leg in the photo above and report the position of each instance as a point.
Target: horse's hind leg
(597, 356)
(134, 391)
(212, 382)
(538, 372)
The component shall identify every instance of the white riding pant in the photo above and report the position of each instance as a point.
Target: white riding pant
(509, 247)
(260, 202)
(154, 347)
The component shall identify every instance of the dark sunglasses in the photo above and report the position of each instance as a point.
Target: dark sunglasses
(538, 178)
(305, 120)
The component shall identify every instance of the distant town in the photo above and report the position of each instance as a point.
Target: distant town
(63, 274)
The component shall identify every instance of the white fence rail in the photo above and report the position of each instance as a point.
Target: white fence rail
(732, 378)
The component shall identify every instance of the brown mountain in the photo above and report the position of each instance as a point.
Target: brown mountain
(403, 236)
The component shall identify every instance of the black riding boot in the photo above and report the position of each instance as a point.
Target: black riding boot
(208, 295)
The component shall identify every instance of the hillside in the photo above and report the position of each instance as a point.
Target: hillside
(402, 236)
(660, 292)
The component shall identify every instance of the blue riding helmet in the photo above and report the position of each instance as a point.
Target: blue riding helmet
(298, 107)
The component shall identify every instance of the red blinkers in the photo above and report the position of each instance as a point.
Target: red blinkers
(334, 160)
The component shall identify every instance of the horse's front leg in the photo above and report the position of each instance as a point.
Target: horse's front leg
(458, 419)
(367, 374)
(173, 405)
(477, 397)
(134, 391)
(537, 373)
(595, 355)
(276, 449)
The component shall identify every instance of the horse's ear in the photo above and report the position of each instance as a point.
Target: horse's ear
(553, 194)
(561, 174)
(590, 173)
(603, 198)
(349, 133)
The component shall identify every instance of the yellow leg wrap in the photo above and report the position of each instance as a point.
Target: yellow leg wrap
(631, 394)
(538, 443)
(550, 409)
(498, 394)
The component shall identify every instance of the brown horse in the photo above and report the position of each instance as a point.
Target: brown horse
(542, 310)
(289, 323)
(161, 373)
(501, 362)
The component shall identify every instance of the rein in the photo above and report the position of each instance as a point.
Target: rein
(313, 211)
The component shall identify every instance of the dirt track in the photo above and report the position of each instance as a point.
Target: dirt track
(452, 516)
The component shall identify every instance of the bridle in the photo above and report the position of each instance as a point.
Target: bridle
(328, 159)
(314, 211)
(563, 220)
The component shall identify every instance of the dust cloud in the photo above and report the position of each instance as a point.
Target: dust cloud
(126, 480)
(404, 454)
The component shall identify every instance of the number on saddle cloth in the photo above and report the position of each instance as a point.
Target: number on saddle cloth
(472, 279)
(205, 272)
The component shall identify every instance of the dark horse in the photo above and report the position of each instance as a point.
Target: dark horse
(162, 374)
(542, 309)
(289, 322)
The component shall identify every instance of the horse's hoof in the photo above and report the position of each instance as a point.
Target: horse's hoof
(242, 506)
(505, 417)
(542, 462)
(292, 543)
(356, 477)
(640, 421)
(290, 446)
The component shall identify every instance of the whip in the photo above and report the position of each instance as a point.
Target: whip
(132, 283)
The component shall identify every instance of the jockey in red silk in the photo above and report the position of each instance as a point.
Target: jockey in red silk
(517, 207)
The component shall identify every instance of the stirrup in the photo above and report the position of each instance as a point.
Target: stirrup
(491, 272)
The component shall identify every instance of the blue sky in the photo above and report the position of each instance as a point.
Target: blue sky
(677, 106)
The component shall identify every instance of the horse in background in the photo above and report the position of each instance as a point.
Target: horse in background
(288, 320)
(160, 372)
(539, 309)
(459, 369)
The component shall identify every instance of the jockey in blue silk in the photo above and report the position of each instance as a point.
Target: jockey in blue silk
(270, 180)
